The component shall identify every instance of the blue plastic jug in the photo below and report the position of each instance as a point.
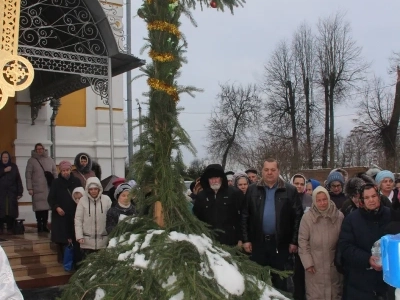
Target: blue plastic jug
(390, 250)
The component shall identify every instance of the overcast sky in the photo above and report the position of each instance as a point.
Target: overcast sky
(234, 48)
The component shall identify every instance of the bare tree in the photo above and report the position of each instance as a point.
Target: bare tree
(340, 68)
(380, 115)
(238, 110)
(305, 56)
(281, 85)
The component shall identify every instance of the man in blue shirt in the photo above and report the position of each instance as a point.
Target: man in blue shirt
(270, 220)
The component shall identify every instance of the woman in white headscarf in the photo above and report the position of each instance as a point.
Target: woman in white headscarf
(318, 236)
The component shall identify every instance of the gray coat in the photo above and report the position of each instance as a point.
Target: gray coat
(36, 181)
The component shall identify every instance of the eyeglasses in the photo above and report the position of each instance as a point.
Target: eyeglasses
(335, 186)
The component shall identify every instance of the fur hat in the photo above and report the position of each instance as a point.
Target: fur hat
(334, 176)
(353, 186)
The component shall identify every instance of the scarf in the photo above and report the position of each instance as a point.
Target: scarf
(7, 164)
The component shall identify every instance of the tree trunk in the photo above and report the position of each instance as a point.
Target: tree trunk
(309, 155)
(331, 130)
(230, 143)
(389, 133)
(326, 132)
(295, 142)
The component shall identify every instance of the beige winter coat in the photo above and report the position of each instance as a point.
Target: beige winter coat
(318, 237)
(36, 181)
(90, 218)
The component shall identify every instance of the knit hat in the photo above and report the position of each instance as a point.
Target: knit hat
(93, 185)
(382, 175)
(314, 183)
(239, 175)
(64, 165)
(334, 176)
(121, 188)
(344, 173)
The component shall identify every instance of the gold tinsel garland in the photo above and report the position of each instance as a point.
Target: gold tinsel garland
(164, 26)
(161, 57)
(162, 86)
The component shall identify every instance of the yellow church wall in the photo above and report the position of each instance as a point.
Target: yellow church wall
(72, 111)
(8, 125)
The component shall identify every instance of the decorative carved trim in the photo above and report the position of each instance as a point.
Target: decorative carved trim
(16, 71)
(116, 25)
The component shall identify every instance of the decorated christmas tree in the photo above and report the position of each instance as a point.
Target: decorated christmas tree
(165, 252)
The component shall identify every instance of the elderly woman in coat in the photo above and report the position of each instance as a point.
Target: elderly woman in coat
(37, 186)
(10, 191)
(318, 236)
(63, 208)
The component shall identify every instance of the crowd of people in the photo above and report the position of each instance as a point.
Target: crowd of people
(81, 213)
(322, 231)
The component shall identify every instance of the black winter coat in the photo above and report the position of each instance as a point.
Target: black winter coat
(349, 206)
(288, 211)
(360, 230)
(10, 188)
(60, 195)
(113, 215)
(338, 199)
(221, 210)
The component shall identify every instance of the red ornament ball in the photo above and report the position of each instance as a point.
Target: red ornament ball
(213, 4)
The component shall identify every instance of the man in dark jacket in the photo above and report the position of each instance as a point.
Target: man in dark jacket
(219, 205)
(363, 278)
(270, 220)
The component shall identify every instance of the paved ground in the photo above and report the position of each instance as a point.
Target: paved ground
(42, 294)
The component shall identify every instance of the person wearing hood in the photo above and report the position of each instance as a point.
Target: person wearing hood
(10, 191)
(83, 168)
(311, 185)
(241, 181)
(63, 208)
(344, 173)
(334, 184)
(91, 216)
(38, 186)
(299, 181)
(219, 205)
(360, 230)
(123, 207)
(270, 221)
(318, 236)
